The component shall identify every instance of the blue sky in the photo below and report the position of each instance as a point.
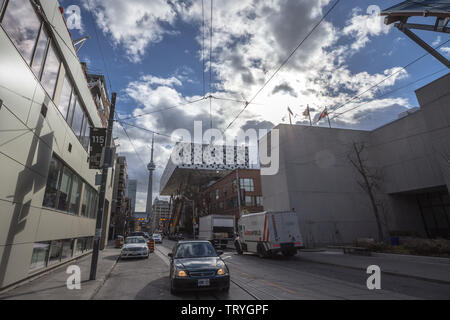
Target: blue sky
(152, 51)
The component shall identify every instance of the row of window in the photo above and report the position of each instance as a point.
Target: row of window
(232, 203)
(31, 38)
(246, 183)
(48, 253)
(64, 191)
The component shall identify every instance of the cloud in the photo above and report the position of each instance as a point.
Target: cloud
(363, 26)
(251, 39)
(134, 24)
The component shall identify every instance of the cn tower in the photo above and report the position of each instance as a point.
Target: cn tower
(151, 168)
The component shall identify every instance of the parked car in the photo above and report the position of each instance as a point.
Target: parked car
(140, 234)
(157, 238)
(196, 265)
(134, 247)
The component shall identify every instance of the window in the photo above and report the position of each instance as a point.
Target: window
(77, 119)
(73, 102)
(55, 252)
(39, 54)
(22, 25)
(75, 195)
(67, 249)
(1, 6)
(50, 72)
(217, 194)
(224, 192)
(81, 245)
(85, 204)
(64, 190)
(259, 201)
(249, 201)
(247, 185)
(64, 100)
(40, 255)
(93, 204)
(85, 133)
(221, 205)
(51, 190)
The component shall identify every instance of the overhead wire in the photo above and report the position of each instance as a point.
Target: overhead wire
(283, 63)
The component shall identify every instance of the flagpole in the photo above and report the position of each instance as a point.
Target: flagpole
(328, 117)
(309, 115)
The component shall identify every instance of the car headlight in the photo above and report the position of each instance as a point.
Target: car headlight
(181, 273)
(221, 271)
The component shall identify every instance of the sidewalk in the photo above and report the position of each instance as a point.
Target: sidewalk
(52, 286)
(418, 267)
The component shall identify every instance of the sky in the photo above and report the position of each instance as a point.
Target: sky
(156, 55)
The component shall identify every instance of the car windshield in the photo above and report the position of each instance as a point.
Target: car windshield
(195, 250)
(134, 240)
(156, 236)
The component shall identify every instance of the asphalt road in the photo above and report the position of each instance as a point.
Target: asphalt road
(259, 279)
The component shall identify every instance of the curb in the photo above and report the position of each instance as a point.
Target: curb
(385, 272)
(103, 280)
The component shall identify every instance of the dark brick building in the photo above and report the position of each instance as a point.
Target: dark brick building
(221, 197)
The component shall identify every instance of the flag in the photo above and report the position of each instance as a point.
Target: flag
(306, 112)
(290, 111)
(323, 114)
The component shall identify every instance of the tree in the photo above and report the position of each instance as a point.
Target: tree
(368, 183)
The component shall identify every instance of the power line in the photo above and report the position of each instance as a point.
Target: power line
(98, 43)
(165, 109)
(145, 129)
(283, 63)
(386, 78)
(389, 93)
(131, 142)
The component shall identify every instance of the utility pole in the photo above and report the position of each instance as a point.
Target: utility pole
(101, 203)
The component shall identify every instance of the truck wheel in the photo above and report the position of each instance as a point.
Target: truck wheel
(237, 244)
(289, 253)
(261, 251)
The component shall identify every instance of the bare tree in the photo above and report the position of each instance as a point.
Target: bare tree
(368, 183)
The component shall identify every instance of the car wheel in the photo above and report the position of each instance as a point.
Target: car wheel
(226, 289)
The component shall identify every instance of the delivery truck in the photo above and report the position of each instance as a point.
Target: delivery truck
(269, 233)
(218, 229)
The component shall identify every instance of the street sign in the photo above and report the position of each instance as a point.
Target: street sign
(97, 146)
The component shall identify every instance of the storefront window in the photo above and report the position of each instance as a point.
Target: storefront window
(51, 190)
(64, 190)
(22, 25)
(39, 53)
(67, 249)
(81, 245)
(50, 72)
(39, 256)
(55, 252)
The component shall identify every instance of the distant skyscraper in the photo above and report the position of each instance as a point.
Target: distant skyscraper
(131, 193)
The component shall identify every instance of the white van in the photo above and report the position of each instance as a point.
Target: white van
(267, 233)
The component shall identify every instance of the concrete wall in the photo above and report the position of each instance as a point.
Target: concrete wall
(317, 180)
(27, 141)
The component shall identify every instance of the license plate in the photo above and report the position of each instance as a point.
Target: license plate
(203, 282)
